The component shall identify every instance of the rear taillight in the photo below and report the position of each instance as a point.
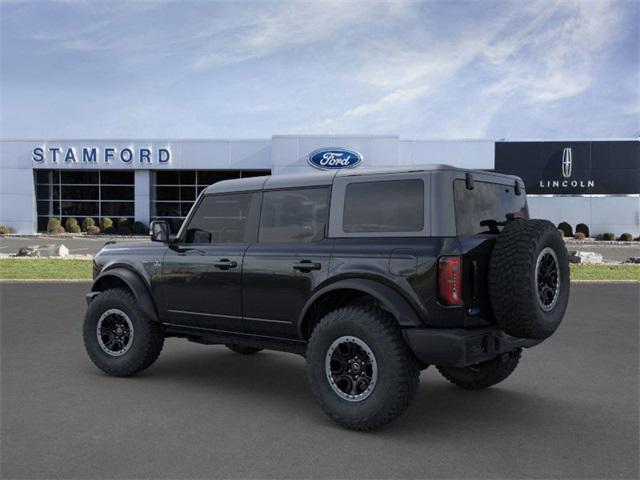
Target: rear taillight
(450, 280)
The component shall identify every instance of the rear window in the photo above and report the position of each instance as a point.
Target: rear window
(487, 201)
(385, 206)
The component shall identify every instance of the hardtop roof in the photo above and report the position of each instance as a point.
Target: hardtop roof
(321, 178)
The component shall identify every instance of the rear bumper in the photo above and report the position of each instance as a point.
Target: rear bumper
(459, 347)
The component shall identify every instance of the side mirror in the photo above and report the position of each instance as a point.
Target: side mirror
(160, 231)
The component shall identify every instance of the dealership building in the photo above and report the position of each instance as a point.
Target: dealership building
(596, 182)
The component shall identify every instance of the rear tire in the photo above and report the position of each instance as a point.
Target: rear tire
(483, 375)
(119, 338)
(387, 374)
(241, 349)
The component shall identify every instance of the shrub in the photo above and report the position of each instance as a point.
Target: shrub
(88, 222)
(583, 228)
(57, 230)
(561, 233)
(52, 224)
(626, 237)
(566, 228)
(139, 228)
(124, 226)
(93, 230)
(607, 236)
(579, 236)
(4, 230)
(106, 224)
(71, 225)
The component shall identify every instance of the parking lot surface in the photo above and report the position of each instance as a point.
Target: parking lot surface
(569, 411)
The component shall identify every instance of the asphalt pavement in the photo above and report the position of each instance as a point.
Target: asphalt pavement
(569, 411)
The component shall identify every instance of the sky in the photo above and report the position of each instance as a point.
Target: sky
(420, 70)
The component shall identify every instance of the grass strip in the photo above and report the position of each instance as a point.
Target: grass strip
(42, 269)
(45, 268)
(605, 272)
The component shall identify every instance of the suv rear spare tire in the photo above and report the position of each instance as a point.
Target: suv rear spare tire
(529, 278)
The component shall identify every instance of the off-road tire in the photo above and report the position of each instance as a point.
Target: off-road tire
(512, 279)
(147, 339)
(398, 370)
(241, 349)
(485, 374)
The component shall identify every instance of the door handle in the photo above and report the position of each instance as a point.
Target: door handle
(225, 264)
(306, 266)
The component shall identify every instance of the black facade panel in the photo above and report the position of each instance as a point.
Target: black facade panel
(598, 167)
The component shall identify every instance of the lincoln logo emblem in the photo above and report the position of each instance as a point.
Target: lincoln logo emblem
(567, 160)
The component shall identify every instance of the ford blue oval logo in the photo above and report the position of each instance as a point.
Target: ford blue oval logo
(334, 158)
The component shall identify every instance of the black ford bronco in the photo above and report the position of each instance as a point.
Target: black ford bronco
(372, 275)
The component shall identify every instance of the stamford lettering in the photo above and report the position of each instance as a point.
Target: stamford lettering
(109, 155)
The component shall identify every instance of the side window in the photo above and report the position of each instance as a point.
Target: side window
(384, 206)
(294, 216)
(222, 219)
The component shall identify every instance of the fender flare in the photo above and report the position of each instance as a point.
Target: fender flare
(137, 286)
(392, 301)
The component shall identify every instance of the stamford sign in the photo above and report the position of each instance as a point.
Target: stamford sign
(334, 158)
(95, 155)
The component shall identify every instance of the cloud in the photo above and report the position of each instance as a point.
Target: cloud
(290, 24)
(421, 69)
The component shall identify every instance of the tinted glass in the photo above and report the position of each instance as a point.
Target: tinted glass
(487, 201)
(80, 192)
(43, 191)
(117, 193)
(388, 206)
(221, 219)
(43, 176)
(117, 178)
(294, 216)
(79, 209)
(209, 177)
(168, 178)
(117, 209)
(79, 177)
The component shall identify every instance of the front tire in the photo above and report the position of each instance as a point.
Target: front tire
(360, 369)
(485, 374)
(119, 338)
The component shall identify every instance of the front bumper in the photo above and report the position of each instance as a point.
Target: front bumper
(459, 347)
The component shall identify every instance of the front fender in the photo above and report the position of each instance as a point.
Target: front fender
(133, 281)
(391, 300)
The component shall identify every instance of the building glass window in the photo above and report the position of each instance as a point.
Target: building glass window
(175, 191)
(92, 193)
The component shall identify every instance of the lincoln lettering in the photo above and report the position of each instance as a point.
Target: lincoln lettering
(567, 183)
(106, 155)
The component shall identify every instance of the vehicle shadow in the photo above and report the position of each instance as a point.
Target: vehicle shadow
(280, 380)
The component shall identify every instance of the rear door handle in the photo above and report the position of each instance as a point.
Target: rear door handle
(306, 266)
(225, 264)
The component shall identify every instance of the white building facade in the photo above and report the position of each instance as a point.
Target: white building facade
(147, 179)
